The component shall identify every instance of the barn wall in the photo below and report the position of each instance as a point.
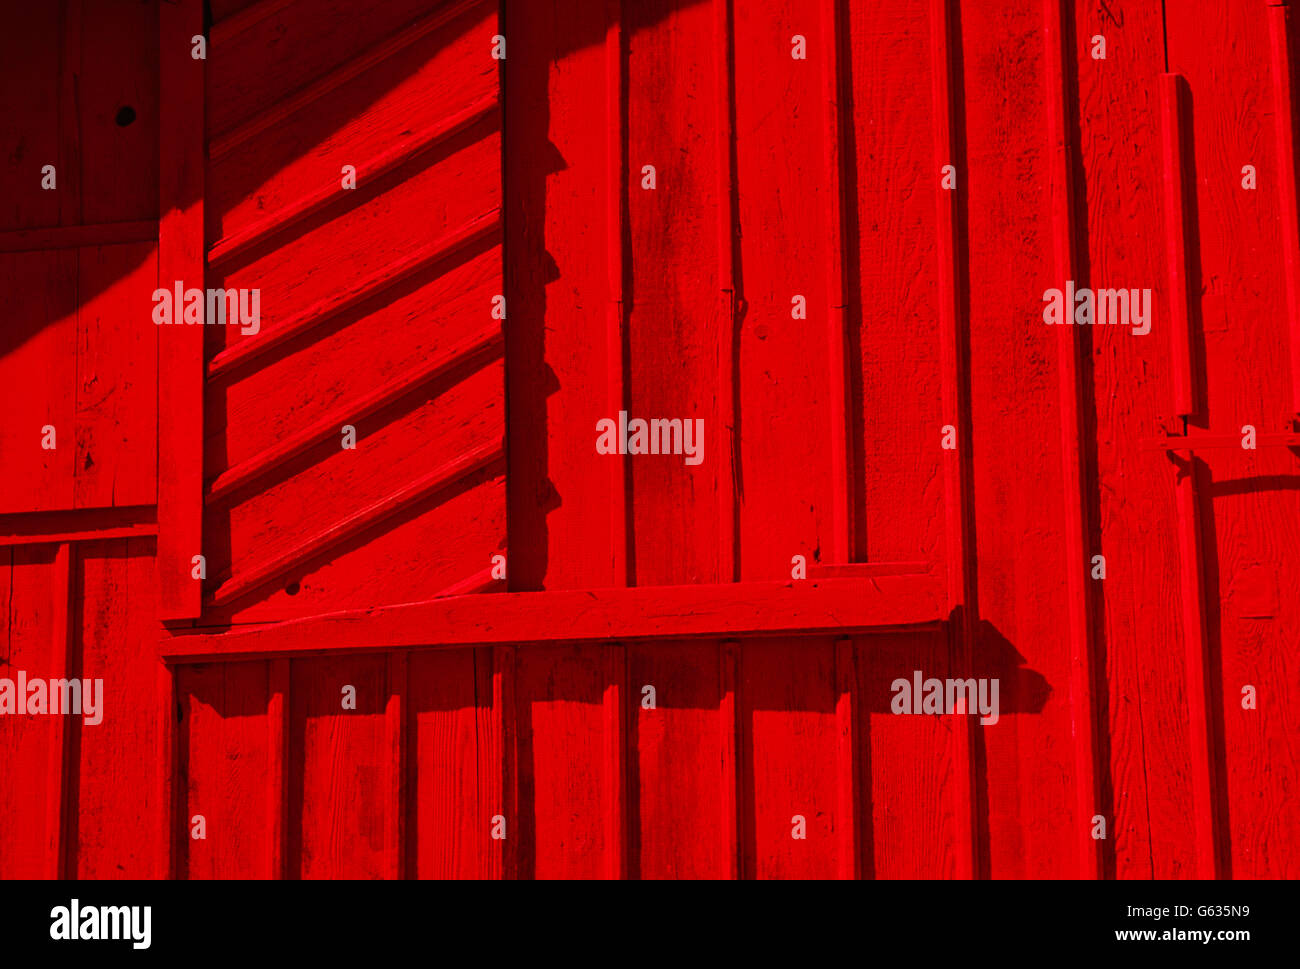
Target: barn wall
(776, 177)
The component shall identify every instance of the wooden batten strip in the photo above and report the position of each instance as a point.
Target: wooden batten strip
(616, 325)
(466, 353)
(1284, 125)
(1074, 434)
(237, 244)
(1173, 94)
(279, 112)
(441, 477)
(180, 348)
(481, 581)
(849, 771)
(444, 248)
(495, 669)
(78, 236)
(140, 530)
(396, 717)
(616, 712)
(862, 570)
(728, 405)
(731, 739)
(1196, 637)
(958, 499)
(839, 395)
(77, 525)
(1218, 442)
(733, 609)
(1174, 139)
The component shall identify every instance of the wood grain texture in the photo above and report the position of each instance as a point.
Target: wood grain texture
(651, 693)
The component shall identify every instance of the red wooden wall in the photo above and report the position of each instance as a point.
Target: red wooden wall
(500, 727)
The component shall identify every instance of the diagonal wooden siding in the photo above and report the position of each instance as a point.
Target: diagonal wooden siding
(377, 309)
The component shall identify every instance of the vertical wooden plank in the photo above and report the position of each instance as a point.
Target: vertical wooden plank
(71, 167)
(562, 343)
(337, 768)
(118, 163)
(912, 762)
(676, 765)
(396, 717)
(788, 379)
(849, 770)
(277, 773)
(224, 762)
(676, 342)
(616, 700)
(31, 43)
(180, 355)
(116, 387)
(1014, 402)
(791, 754)
(1074, 433)
(115, 816)
(1284, 127)
(953, 336)
(445, 830)
(732, 801)
(563, 798)
(893, 287)
(42, 312)
(62, 665)
(503, 701)
(29, 600)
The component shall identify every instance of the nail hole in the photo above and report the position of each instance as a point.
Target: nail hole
(125, 116)
(292, 588)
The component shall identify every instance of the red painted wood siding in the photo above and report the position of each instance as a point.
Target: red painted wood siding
(485, 705)
(387, 291)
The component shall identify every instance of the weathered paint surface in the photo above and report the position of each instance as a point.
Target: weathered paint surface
(652, 692)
